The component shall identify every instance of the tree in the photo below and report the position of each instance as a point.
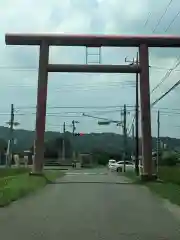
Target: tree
(53, 148)
(101, 157)
(169, 158)
(3, 149)
(3, 145)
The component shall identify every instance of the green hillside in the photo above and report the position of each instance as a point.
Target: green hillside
(104, 141)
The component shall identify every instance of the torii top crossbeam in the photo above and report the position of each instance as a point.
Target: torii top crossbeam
(93, 40)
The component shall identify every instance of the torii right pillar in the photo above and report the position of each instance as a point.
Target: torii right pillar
(148, 173)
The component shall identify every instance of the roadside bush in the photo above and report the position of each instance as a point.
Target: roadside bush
(117, 157)
(169, 159)
(103, 160)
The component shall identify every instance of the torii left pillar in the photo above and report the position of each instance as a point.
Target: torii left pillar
(41, 108)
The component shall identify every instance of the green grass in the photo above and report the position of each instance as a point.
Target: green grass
(15, 187)
(4, 172)
(170, 174)
(168, 189)
(130, 174)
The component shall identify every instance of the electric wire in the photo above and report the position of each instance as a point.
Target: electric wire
(167, 75)
(162, 16)
(173, 20)
(166, 93)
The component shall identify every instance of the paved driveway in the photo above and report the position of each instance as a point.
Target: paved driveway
(89, 205)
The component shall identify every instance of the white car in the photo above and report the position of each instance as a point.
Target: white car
(129, 165)
(112, 164)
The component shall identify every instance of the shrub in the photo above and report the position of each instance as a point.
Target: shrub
(103, 159)
(169, 159)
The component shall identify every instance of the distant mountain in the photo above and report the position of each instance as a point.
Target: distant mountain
(110, 142)
(24, 138)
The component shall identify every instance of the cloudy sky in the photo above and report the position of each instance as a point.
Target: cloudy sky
(101, 95)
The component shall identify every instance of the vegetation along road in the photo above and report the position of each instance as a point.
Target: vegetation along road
(89, 204)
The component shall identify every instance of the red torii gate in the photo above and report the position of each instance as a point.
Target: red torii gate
(142, 42)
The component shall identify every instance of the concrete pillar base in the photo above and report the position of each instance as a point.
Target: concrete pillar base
(148, 178)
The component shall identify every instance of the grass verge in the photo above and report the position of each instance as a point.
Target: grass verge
(15, 187)
(170, 174)
(5, 172)
(131, 175)
(168, 189)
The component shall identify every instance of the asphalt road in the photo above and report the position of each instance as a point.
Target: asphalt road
(89, 205)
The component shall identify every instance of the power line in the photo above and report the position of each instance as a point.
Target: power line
(79, 112)
(78, 86)
(173, 20)
(131, 125)
(58, 125)
(167, 74)
(162, 68)
(110, 83)
(84, 88)
(75, 107)
(96, 117)
(147, 20)
(169, 71)
(116, 109)
(18, 68)
(170, 113)
(162, 16)
(167, 108)
(163, 95)
(48, 114)
(71, 116)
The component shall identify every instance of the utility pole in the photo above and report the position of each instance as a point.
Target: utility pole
(125, 137)
(63, 146)
(73, 132)
(11, 124)
(133, 139)
(10, 147)
(158, 141)
(73, 127)
(137, 122)
(136, 115)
